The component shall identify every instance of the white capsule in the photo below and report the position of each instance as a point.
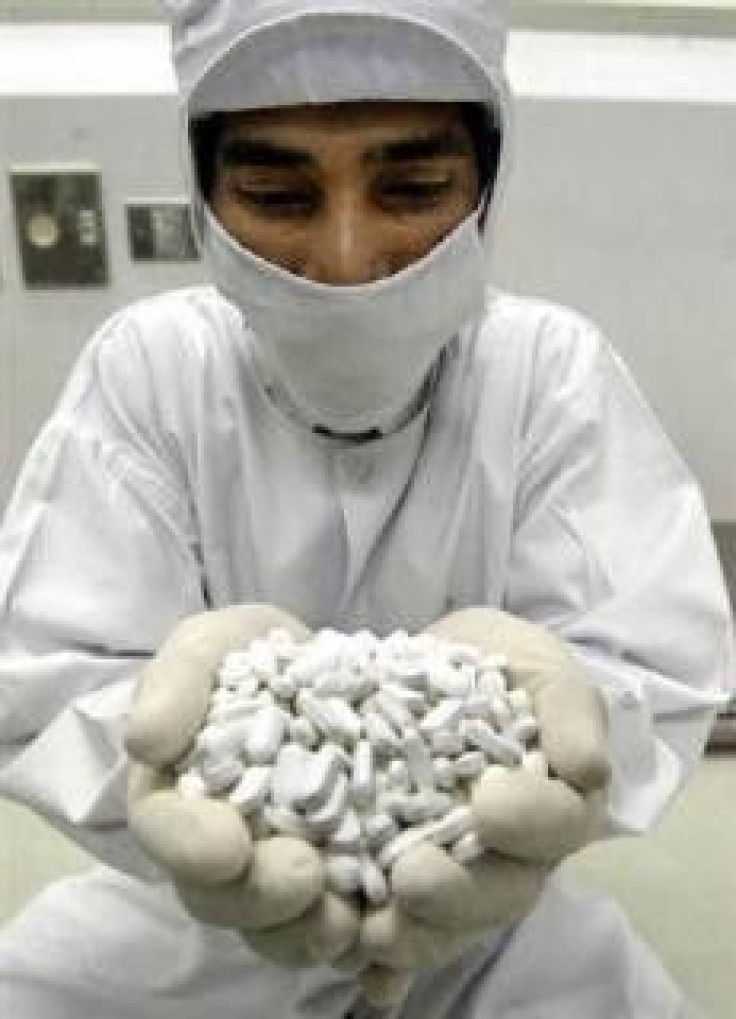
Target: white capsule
(236, 679)
(444, 774)
(390, 853)
(223, 739)
(328, 817)
(346, 683)
(316, 710)
(362, 782)
(392, 802)
(447, 743)
(252, 790)
(416, 808)
(444, 681)
(408, 672)
(235, 706)
(329, 638)
(286, 821)
(397, 642)
(346, 725)
(535, 762)
(262, 659)
(287, 774)
(495, 745)
(343, 873)
(283, 686)
(379, 829)
(501, 713)
(470, 673)
(348, 838)
(519, 701)
(300, 730)
(523, 729)
(364, 643)
(445, 716)
(463, 654)
(235, 660)
(419, 760)
(508, 751)
(282, 641)
(373, 881)
(191, 785)
(471, 764)
(323, 655)
(392, 711)
(479, 706)
(345, 758)
(382, 736)
(431, 803)
(458, 822)
(238, 658)
(414, 700)
(265, 735)
(301, 677)
(415, 650)
(490, 683)
(467, 848)
(398, 775)
(318, 777)
(382, 782)
(220, 775)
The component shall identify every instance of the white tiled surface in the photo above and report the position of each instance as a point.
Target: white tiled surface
(678, 884)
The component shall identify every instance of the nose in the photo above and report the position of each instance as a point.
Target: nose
(347, 249)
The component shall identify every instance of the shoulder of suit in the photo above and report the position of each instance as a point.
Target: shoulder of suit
(532, 334)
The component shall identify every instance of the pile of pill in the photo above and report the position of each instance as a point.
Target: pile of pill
(360, 745)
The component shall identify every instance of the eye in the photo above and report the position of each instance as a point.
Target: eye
(410, 193)
(277, 201)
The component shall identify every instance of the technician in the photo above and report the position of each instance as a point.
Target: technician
(352, 428)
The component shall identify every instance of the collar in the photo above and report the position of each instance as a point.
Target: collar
(279, 396)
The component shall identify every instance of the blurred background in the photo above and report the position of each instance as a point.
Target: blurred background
(621, 204)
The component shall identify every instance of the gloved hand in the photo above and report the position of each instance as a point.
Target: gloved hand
(439, 908)
(271, 891)
(527, 821)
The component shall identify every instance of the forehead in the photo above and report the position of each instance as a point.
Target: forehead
(357, 122)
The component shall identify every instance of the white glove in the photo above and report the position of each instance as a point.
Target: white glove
(271, 891)
(439, 908)
(527, 822)
(521, 814)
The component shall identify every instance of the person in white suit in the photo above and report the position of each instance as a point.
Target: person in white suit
(353, 428)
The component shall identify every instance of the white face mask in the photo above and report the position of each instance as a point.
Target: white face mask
(352, 358)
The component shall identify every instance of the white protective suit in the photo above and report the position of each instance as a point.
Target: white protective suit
(168, 481)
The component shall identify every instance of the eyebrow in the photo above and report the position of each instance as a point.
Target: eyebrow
(446, 141)
(251, 152)
(262, 153)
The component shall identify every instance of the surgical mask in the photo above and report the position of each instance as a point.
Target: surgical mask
(351, 358)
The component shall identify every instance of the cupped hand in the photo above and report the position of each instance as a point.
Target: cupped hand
(271, 891)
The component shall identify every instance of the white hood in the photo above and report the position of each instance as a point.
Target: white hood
(252, 54)
(255, 54)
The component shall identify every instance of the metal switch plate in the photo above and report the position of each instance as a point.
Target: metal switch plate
(161, 232)
(61, 227)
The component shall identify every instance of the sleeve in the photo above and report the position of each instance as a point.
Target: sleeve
(97, 562)
(612, 549)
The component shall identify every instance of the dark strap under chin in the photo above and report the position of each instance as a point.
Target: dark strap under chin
(370, 435)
